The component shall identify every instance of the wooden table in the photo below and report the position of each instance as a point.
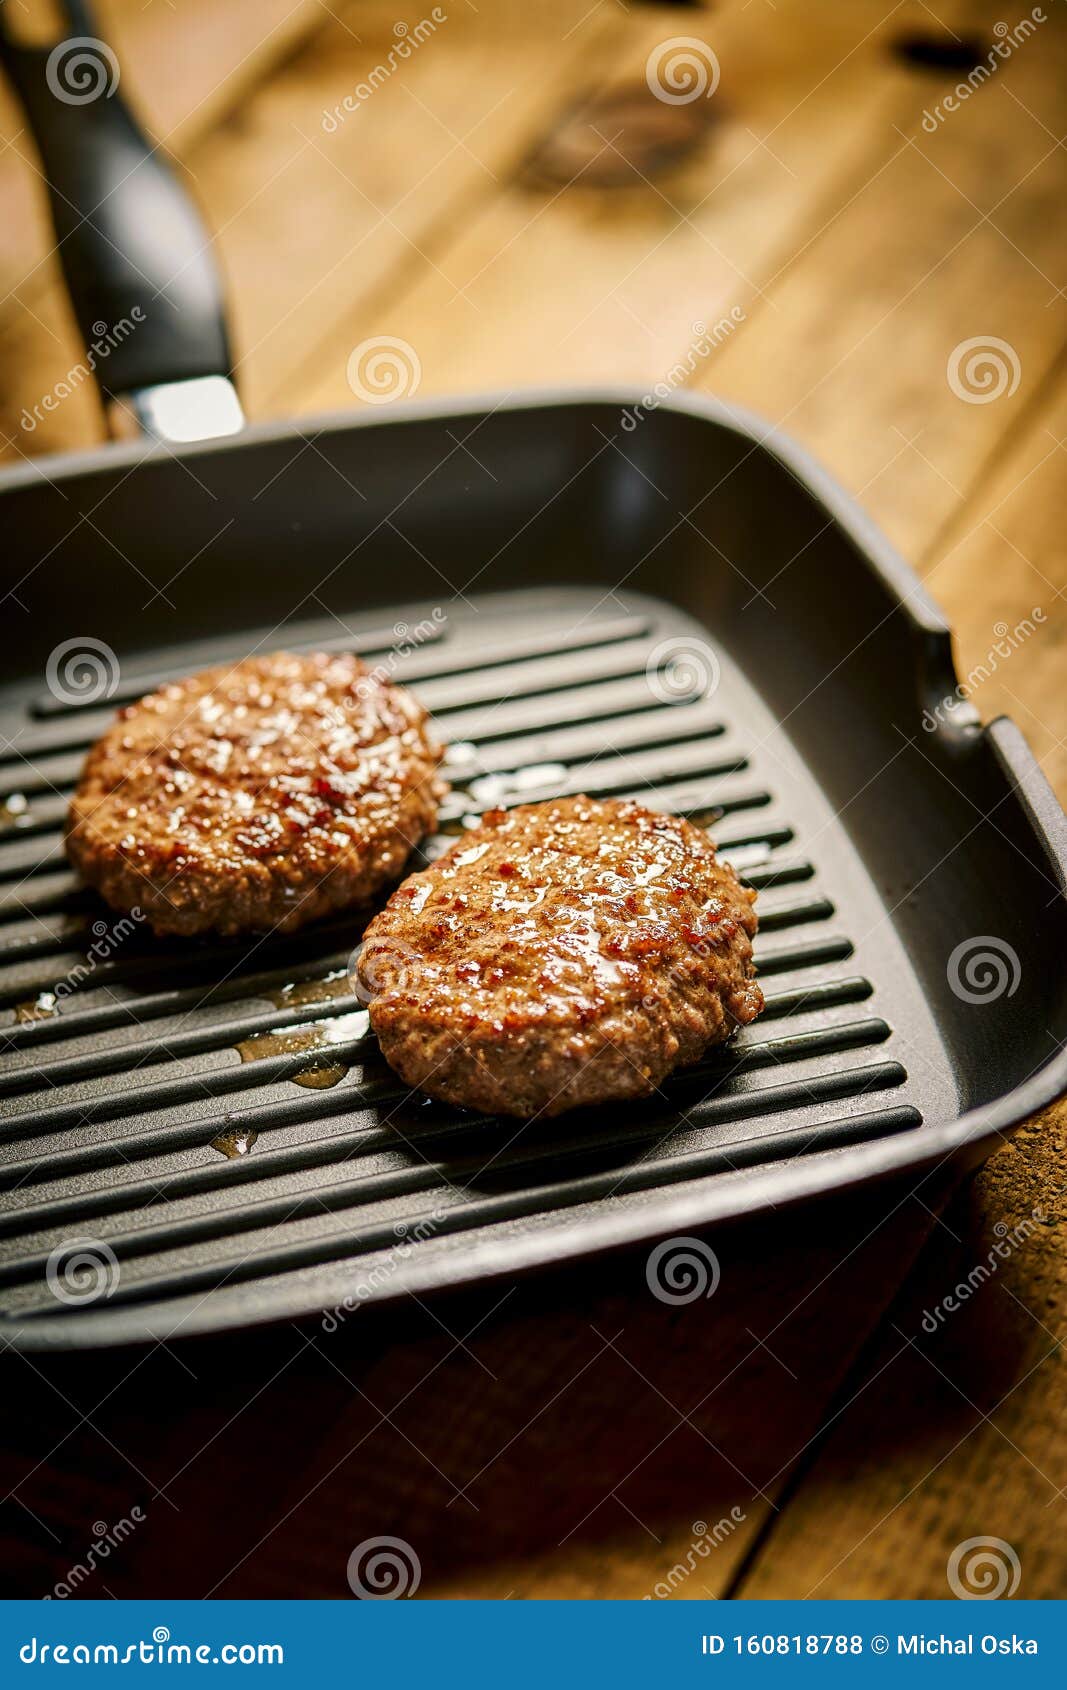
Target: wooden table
(512, 204)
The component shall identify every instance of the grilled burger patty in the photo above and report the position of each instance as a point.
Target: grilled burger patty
(259, 796)
(560, 954)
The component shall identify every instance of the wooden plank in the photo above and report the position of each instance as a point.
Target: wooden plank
(307, 216)
(358, 208)
(182, 72)
(956, 1433)
(606, 282)
(1000, 570)
(955, 240)
(619, 1562)
(564, 1437)
(913, 1469)
(850, 318)
(557, 1479)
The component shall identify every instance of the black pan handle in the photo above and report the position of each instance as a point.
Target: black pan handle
(135, 254)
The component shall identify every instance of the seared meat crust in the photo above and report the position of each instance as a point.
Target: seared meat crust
(254, 797)
(560, 954)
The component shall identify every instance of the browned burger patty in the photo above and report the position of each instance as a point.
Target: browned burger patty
(560, 954)
(258, 796)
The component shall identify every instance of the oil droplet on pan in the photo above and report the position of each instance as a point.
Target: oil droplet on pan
(317, 1036)
(322, 1078)
(40, 1008)
(335, 985)
(491, 790)
(14, 812)
(707, 817)
(235, 1144)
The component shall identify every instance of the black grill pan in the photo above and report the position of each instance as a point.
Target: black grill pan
(688, 611)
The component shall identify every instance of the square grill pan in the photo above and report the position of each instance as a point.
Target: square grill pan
(689, 613)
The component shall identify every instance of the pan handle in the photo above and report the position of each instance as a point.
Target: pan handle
(136, 257)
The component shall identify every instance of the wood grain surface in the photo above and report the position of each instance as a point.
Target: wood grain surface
(511, 204)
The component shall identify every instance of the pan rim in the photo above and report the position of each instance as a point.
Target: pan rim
(800, 1179)
(725, 1200)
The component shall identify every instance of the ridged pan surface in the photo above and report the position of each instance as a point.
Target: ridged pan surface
(209, 1130)
(213, 1119)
